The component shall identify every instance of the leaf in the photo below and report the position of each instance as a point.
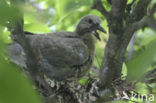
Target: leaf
(7, 13)
(145, 37)
(14, 87)
(5, 34)
(124, 71)
(142, 60)
(142, 88)
(83, 81)
(106, 5)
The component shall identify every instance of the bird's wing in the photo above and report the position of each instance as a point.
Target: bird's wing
(60, 48)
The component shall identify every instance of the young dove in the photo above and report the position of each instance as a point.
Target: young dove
(64, 55)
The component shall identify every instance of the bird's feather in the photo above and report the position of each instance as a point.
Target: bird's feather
(60, 48)
(60, 52)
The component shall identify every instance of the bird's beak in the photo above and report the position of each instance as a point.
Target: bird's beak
(96, 33)
(101, 29)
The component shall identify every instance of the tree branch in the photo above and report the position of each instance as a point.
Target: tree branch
(144, 22)
(97, 4)
(138, 12)
(119, 38)
(112, 62)
(118, 7)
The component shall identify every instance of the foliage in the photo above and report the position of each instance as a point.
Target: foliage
(145, 56)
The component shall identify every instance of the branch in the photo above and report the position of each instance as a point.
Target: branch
(118, 41)
(112, 60)
(118, 8)
(138, 11)
(144, 22)
(97, 4)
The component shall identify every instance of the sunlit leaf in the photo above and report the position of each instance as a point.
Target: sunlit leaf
(124, 71)
(83, 81)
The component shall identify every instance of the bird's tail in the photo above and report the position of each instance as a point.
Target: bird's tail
(16, 54)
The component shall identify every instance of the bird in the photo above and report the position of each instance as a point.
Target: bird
(64, 55)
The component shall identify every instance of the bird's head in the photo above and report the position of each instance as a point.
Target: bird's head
(88, 24)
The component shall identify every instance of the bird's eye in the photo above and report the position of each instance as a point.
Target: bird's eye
(90, 21)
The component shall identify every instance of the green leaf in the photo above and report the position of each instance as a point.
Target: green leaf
(83, 81)
(142, 88)
(142, 60)
(106, 5)
(14, 87)
(124, 71)
(129, 1)
(5, 34)
(7, 13)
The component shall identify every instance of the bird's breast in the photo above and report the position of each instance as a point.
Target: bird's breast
(85, 67)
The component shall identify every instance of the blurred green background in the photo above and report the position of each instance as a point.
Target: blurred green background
(44, 16)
